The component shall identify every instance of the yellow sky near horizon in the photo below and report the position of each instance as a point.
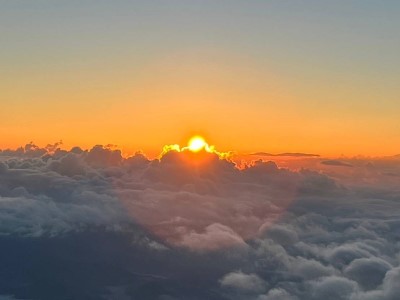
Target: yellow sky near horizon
(273, 82)
(171, 101)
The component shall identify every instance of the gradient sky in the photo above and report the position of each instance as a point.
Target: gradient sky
(275, 76)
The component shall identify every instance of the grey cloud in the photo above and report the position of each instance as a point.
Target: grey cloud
(215, 236)
(289, 154)
(390, 289)
(7, 297)
(242, 282)
(391, 284)
(305, 234)
(277, 294)
(368, 272)
(333, 288)
(337, 163)
(311, 269)
(282, 235)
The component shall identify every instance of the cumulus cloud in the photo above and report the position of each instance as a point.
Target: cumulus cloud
(215, 236)
(391, 284)
(332, 288)
(368, 272)
(242, 282)
(277, 294)
(204, 228)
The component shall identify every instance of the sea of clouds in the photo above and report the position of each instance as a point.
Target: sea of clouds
(194, 226)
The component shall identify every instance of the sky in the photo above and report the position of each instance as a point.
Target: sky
(289, 188)
(276, 76)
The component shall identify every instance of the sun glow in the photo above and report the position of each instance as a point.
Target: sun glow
(196, 144)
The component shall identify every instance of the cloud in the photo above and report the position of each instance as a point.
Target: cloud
(215, 236)
(277, 294)
(368, 272)
(311, 268)
(189, 226)
(288, 154)
(241, 282)
(333, 288)
(391, 284)
(7, 297)
(282, 235)
(336, 163)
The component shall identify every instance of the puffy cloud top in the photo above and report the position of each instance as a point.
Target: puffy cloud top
(258, 232)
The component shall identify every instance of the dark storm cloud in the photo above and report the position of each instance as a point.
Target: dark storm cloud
(261, 232)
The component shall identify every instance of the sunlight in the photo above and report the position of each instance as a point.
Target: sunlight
(197, 143)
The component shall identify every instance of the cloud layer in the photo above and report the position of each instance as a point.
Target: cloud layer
(316, 231)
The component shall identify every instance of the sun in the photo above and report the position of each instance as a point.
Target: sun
(196, 144)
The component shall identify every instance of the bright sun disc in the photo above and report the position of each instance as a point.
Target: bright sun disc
(196, 144)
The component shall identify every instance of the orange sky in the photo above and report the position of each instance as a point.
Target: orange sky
(250, 86)
(171, 101)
